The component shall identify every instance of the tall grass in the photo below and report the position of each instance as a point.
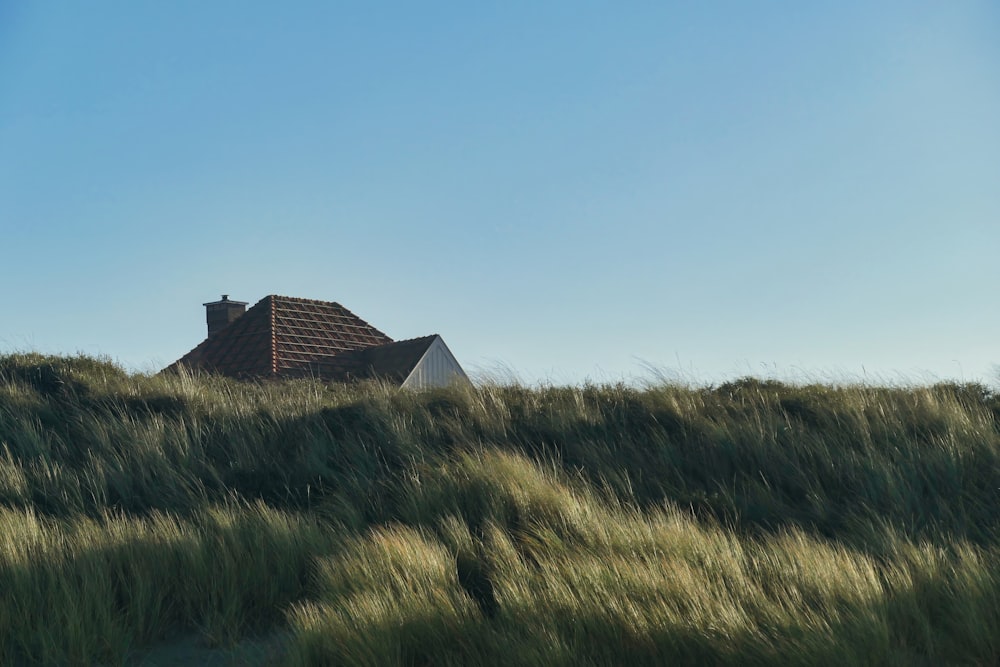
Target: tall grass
(566, 577)
(84, 590)
(749, 523)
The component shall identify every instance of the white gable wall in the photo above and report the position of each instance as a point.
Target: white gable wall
(437, 368)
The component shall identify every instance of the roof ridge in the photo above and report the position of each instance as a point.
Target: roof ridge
(274, 338)
(410, 340)
(298, 299)
(320, 302)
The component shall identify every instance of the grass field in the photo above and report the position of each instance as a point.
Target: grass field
(747, 523)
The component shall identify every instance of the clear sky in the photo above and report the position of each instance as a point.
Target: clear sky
(568, 190)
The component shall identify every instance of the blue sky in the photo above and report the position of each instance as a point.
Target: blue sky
(568, 190)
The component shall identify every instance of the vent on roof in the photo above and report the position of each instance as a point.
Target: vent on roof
(219, 314)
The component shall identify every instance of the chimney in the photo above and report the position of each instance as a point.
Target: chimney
(219, 314)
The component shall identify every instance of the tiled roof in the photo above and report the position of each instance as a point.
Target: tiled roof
(283, 335)
(243, 349)
(305, 330)
(392, 361)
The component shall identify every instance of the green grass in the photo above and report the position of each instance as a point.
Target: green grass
(749, 523)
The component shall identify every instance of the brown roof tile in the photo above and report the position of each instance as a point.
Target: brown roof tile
(280, 335)
(395, 361)
(244, 348)
(392, 361)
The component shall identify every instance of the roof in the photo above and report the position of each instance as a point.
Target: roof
(396, 360)
(392, 361)
(283, 335)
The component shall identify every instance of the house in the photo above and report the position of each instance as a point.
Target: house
(286, 337)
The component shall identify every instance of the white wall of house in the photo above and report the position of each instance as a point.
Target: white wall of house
(437, 368)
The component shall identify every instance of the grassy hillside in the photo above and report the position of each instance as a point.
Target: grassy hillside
(750, 523)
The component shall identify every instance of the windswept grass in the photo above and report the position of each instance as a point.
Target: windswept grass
(84, 590)
(556, 575)
(750, 523)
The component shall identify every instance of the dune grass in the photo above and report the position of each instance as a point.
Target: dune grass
(749, 523)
